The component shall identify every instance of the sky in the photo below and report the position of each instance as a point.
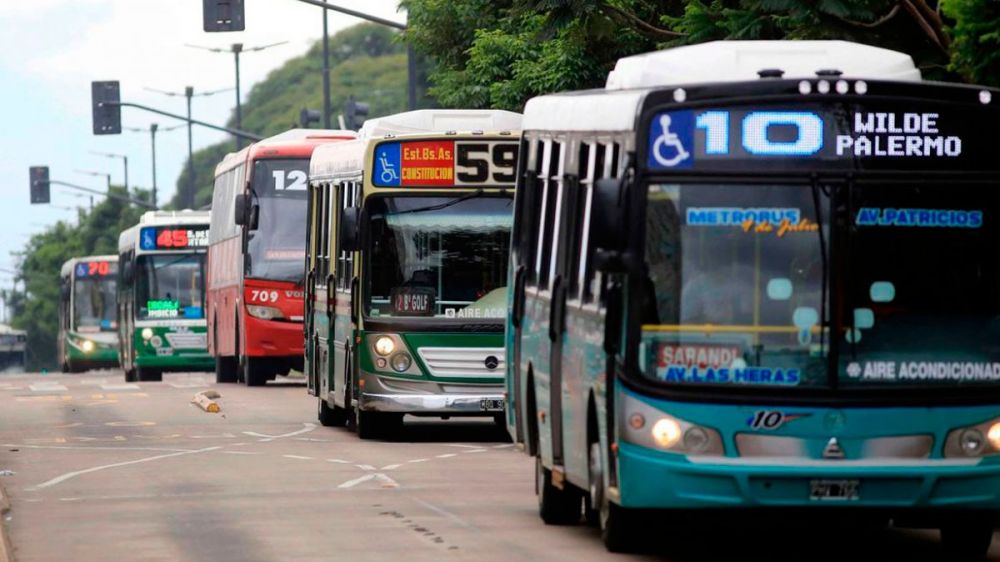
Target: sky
(50, 51)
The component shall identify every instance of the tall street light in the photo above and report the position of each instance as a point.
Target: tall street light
(97, 174)
(153, 129)
(113, 155)
(236, 49)
(189, 93)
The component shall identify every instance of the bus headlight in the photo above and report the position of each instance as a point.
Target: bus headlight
(147, 333)
(384, 346)
(401, 362)
(87, 346)
(264, 312)
(666, 432)
(974, 441)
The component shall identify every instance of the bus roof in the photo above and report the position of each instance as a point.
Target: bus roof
(128, 238)
(293, 143)
(344, 159)
(67, 266)
(614, 108)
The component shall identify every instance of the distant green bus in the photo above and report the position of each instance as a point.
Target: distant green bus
(87, 322)
(161, 295)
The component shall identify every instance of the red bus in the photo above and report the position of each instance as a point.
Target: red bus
(256, 256)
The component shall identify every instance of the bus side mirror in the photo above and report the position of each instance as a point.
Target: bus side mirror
(350, 239)
(607, 223)
(241, 209)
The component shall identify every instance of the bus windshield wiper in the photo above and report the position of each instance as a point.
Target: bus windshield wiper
(439, 206)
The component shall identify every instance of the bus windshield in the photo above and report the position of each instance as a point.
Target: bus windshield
(170, 286)
(443, 257)
(923, 288)
(734, 285)
(276, 250)
(94, 304)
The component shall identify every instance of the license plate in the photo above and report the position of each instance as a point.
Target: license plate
(491, 405)
(834, 490)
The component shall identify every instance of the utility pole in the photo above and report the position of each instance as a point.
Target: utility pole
(327, 107)
(153, 130)
(112, 155)
(236, 49)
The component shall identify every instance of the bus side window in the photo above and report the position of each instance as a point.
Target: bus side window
(322, 230)
(605, 166)
(581, 218)
(530, 205)
(343, 201)
(551, 164)
(350, 198)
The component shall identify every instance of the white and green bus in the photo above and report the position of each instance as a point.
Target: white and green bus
(88, 322)
(161, 295)
(761, 277)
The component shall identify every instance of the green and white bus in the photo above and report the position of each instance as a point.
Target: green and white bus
(88, 323)
(407, 250)
(161, 295)
(761, 276)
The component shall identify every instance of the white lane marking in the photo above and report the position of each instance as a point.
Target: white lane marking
(475, 451)
(47, 387)
(241, 453)
(120, 386)
(365, 466)
(418, 460)
(386, 481)
(391, 467)
(308, 427)
(226, 435)
(446, 456)
(188, 384)
(99, 448)
(462, 445)
(74, 474)
(339, 461)
(299, 457)
(312, 439)
(239, 444)
(93, 382)
(356, 481)
(503, 446)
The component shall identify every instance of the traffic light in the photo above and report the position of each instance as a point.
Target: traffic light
(39, 184)
(105, 100)
(308, 116)
(355, 113)
(223, 15)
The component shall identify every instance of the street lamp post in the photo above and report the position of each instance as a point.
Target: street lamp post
(236, 49)
(93, 173)
(113, 155)
(153, 130)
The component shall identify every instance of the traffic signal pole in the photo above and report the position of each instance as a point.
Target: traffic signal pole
(235, 132)
(124, 199)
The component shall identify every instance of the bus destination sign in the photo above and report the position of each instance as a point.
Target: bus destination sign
(87, 269)
(445, 163)
(903, 136)
(173, 237)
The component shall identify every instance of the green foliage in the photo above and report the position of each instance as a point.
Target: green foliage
(35, 307)
(500, 54)
(366, 61)
(976, 45)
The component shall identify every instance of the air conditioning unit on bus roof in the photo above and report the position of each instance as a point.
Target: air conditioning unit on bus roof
(303, 134)
(440, 121)
(733, 61)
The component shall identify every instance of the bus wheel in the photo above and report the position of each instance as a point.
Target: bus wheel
(555, 506)
(616, 527)
(330, 416)
(225, 369)
(148, 375)
(130, 375)
(967, 540)
(376, 425)
(255, 371)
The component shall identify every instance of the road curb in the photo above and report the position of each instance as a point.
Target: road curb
(6, 549)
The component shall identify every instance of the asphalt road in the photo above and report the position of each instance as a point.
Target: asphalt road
(105, 470)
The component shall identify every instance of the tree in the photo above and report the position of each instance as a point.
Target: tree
(499, 54)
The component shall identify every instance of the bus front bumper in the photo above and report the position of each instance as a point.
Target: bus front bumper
(657, 480)
(422, 397)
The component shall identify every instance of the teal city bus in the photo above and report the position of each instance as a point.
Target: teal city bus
(761, 275)
(161, 295)
(88, 325)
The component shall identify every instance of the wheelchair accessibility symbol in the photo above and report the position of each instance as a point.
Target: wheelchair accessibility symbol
(389, 174)
(388, 165)
(670, 136)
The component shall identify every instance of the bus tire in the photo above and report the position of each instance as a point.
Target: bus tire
(255, 371)
(130, 375)
(616, 527)
(330, 416)
(225, 369)
(966, 540)
(377, 425)
(148, 375)
(555, 506)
